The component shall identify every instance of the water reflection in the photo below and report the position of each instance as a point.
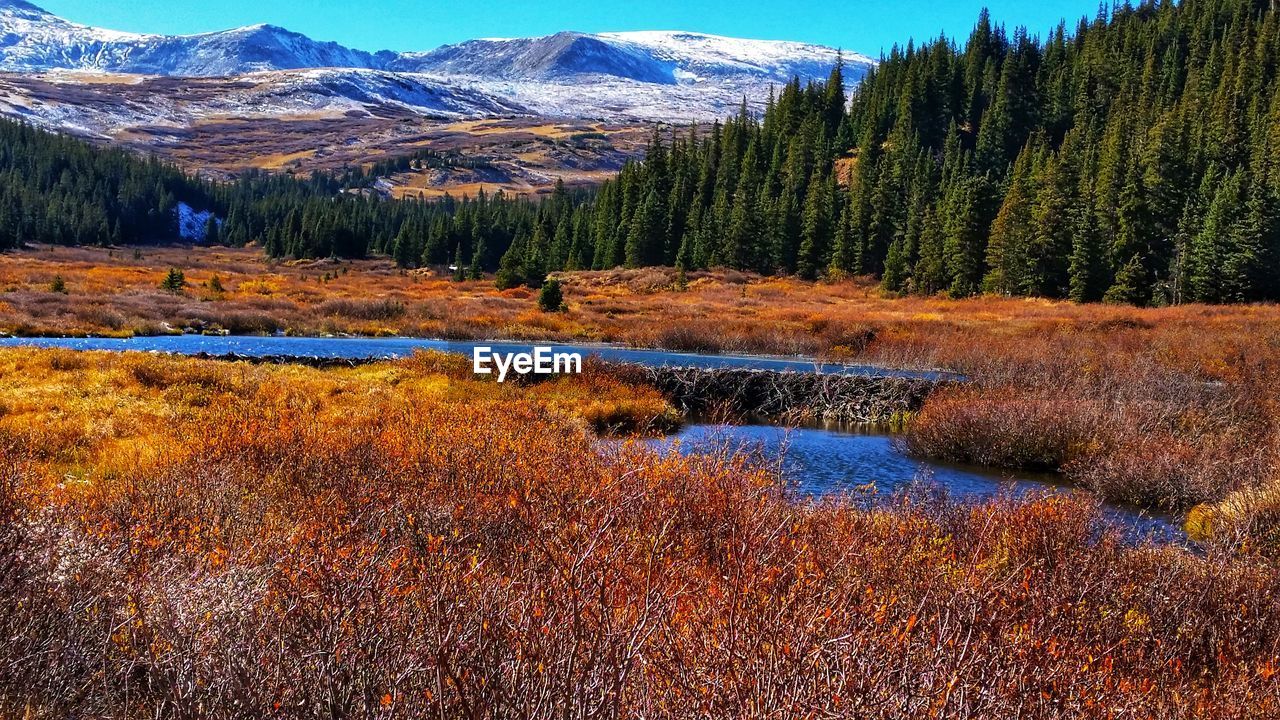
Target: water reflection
(824, 461)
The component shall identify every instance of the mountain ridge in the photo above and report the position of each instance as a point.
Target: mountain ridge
(35, 40)
(137, 87)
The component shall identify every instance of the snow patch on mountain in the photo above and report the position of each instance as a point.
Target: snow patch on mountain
(664, 58)
(33, 40)
(65, 101)
(707, 56)
(561, 56)
(300, 91)
(652, 76)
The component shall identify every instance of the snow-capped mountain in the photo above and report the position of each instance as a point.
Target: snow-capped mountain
(670, 76)
(555, 57)
(634, 75)
(33, 40)
(697, 56)
(664, 58)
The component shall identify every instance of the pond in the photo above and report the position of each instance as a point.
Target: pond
(823, 461)
(820, 461)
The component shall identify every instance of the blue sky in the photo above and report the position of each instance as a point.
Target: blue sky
(866, 26)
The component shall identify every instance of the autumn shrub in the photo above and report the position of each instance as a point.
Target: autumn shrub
(1140, 450)
(434, 362)
(1158, 415)
(1035, 431)
(65, 360)
(163, 373)
(1172, 470)
(1245, 518)
(706, 334)
(236, 322)
(359, 309)
(687, 338)
(406, 558)
(841, 337)
(95, 316)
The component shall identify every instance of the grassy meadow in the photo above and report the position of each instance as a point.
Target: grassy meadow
(200, 538)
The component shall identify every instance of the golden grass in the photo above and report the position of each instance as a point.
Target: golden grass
(277, 161)
(92, 78)
(413, 185)
(502, 127)
(76, 408)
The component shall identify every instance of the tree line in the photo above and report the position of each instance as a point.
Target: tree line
(57, 189)
(1133, 158)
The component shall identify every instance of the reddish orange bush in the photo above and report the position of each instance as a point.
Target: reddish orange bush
(1036, 431)
(347, 543)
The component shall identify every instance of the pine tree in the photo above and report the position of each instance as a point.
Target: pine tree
(512, 266)
(895, 274)
(211, 231)
(1087, 266)
(1009, 250)
(645, 239)
(1133, 245)
(534, 261)
(459, 268)
(551, 296)
(930, 272)
(173, 281)
(1211, 247)
(1130, 285)
(964, 236)
(816, 231)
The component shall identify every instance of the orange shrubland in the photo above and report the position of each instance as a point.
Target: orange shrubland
(235, 540)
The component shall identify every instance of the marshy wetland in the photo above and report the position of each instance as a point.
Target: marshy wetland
(271, 538)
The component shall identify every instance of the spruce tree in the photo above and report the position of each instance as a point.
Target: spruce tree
(512, 266)
(816, 228)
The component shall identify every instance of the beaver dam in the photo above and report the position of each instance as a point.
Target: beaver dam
(790, 397)
(725, 387)
(783, 396)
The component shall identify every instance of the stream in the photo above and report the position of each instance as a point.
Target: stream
(820, 461)
(393, 347)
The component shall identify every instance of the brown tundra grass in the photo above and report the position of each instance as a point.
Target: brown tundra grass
(1172, 408)
(184, 538)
